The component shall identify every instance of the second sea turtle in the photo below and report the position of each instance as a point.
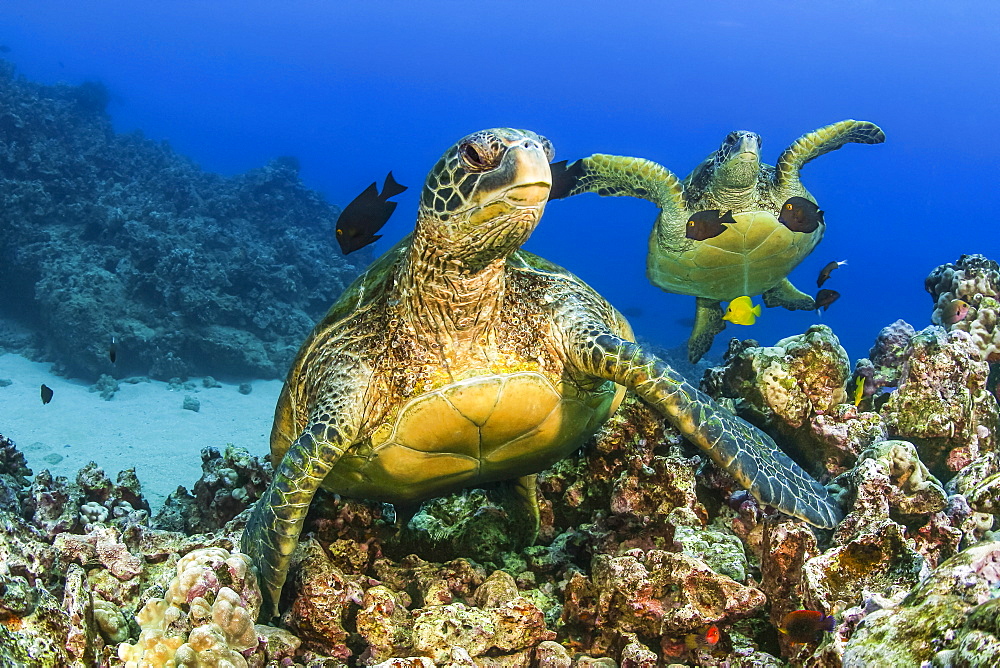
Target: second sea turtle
(734, 227)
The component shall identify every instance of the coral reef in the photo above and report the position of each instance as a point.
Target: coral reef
(112, 237)
(975, 280)
(797, 389)
(231, 481)
(942, 403)
(647, 554)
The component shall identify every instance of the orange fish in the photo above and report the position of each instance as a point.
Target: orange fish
(705, 638)
(806, 626)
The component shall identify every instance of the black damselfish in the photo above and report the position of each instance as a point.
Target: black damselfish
(800, 215)
(564, 178)
(46, 393)
(707, 224)
(365, 215)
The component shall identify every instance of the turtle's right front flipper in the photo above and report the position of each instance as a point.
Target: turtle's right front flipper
(272, 532)
(747, 453)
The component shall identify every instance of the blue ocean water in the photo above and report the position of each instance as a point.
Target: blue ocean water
(355, 89)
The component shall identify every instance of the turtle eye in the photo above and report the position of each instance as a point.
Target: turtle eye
(732, 137)
(550, 152)
(478, 158)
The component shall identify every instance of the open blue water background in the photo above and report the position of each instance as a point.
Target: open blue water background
(354, 89)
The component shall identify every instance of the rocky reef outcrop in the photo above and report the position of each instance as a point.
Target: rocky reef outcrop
(113, 237)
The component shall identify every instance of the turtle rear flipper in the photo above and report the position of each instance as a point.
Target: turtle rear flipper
(814, 144)
(275, 523)
(707, 323)
(744, 451)
(788, 296)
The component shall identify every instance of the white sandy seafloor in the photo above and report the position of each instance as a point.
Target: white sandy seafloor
(142, 426)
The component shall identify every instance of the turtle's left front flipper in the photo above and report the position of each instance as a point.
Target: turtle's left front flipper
(747, 453)
(814, 144)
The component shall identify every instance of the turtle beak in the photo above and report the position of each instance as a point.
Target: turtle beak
(532, 177)
(748, 149)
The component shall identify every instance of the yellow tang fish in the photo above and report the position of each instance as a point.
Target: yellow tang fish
(741, 311)
(859, 390)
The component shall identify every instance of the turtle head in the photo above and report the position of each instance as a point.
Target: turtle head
(486, 194)
(737, 162)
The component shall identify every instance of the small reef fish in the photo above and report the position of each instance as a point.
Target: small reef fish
(705, 638)
(800, 215)
(825, 297)
(806, 626)
(46, 393)
(955, 311)
(113, 350)
(707, 224)
(825, 272)
(365, 215)
(859, 390)
(564, 178)
(741, 311)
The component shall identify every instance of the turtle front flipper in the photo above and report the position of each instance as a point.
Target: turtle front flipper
(744, 451)
(814, 144)
(273, 530)
(622, 176)
(707, 323)
(788, 296)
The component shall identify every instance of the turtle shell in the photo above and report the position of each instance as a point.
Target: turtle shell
(750, 256)
(479, 430)
(425, 431)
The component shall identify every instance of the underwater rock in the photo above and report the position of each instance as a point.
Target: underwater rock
(34, 627)
(323, 596)
(471, 523)
(942, 404)
(14, 473)
(789, 385)
(885, 359)
(506, 633)
(656, 595)
(207, 614)
(786, 546)
(975, 280)
(115, 237)
(881, 561)
(931, 618)
(845, 431)
(889, 480)
(231, 481)
(384, 623)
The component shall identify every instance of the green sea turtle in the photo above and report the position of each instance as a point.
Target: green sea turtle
(458, 359)
(735, 226)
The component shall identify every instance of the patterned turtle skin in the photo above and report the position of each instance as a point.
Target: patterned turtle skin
(755, 247)
(458, 359)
